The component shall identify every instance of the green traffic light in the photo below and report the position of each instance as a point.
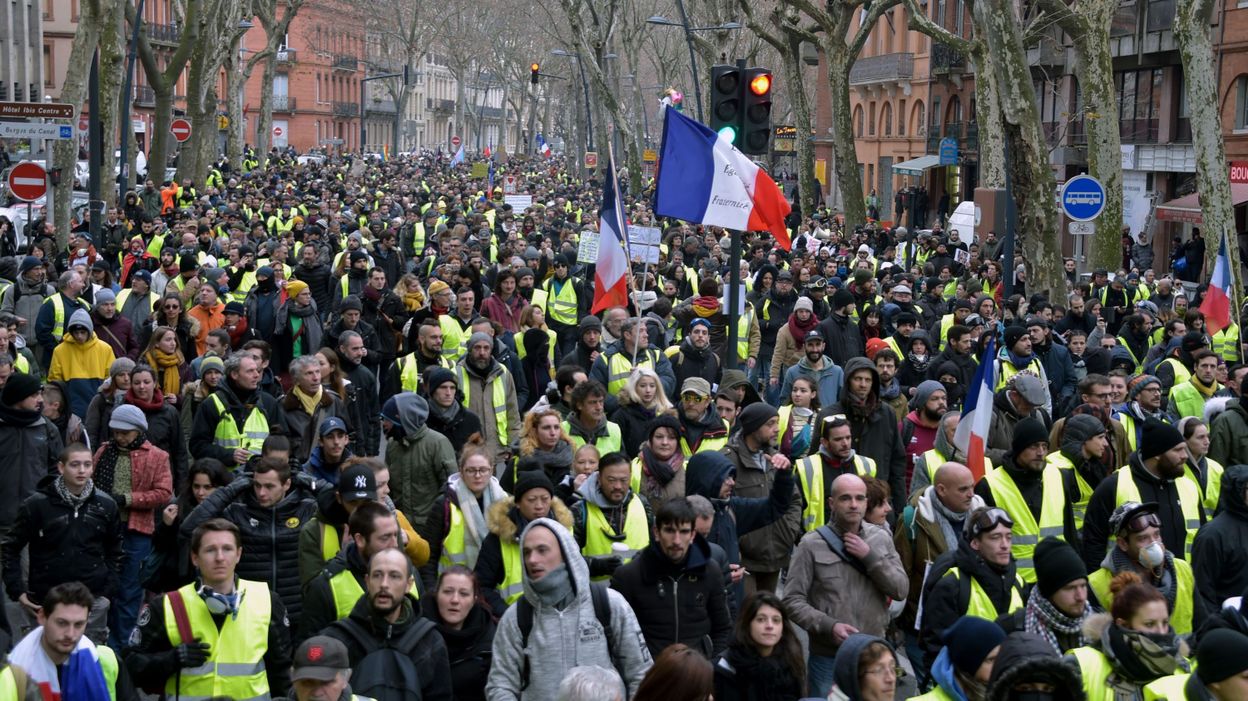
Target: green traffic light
(729, 134)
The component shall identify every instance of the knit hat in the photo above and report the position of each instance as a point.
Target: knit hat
(29, 263)
(970, 641)
(1157, 438)
(700, 322)
(187, 263)
(479, 337)
(924, 392)
(350, 302)
(1081, 428)
(1013, 334)
(210, 363)
(533, 479)
(437, 286)
(120, 366)
(18, 387)
(663, 421)
(1193, 341)
(1027, 433)
(436, 376)
(589, 323)
(358, 255)
(264, 271)
(804, 303)
(104, 296)
(294, 287)
(1139, 383)
(1222, 654)
(235, 308)
(754, 416)
(524, 272)
(1057, 564)
(874, 346)
(861, 276)
(128, 417)
(841, 298)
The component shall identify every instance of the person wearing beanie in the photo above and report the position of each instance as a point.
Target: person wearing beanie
(1024, 662)
(588, 343)
(297, 327)
(1220, 664)
(1059, 604)
(964, 665)
(488, 386)
(918, 428)
(1084, 450)
(447, 414)
(566, 303)
(1154, 474)
(1144, 404)
(112, 327)
(840, 330)
(1038, 497)
(533, 497)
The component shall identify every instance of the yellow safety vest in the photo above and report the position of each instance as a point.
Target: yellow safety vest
(1095, 669)
(1188, 400)
(553, 341)
(1123, 342)
(20, 363)
(1181, 373)
(599, 536)
(743, 333)
(980, 604)
(453, 337)
(409, 373)
(418, 239)
(810, 482)
(124, 296)
(936, 694)
(946, 323)
(1007, 370)
(498, 399)
(1180, 617)
(561, 306)
(512, 587)
(1189, 502)
(706, 445)
(453, 550)
(1213, 482)
(250, 438)
(330, 542)
(235, 666)
(610, 443)
(1056, 459)
(1128, 424)
(1171, 688)
(245, 284)
(1027, 532)
(58, 313)
(539, 298)
(347, 592)
(620, 366)
(1226, 343)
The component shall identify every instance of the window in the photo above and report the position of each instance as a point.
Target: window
(886, 116)
(858, 120)
(901, 118)
(1241, 102)
(935, 130)
(1139, 104)
(871, 119)
(47, 66)
(920, 116)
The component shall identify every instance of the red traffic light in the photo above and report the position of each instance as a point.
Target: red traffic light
(761, 84)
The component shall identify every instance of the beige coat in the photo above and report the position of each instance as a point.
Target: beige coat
(788, 351)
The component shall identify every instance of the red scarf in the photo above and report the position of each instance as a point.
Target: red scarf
(158, 400)
(799, 329)
(236, 334)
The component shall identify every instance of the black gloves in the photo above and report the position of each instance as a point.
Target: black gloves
(604, 566)
(191, 654)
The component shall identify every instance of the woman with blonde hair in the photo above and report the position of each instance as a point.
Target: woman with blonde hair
(410, 291)
(641, 401)
(545, 446)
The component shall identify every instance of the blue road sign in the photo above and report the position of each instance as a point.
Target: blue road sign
(1083, 198)
(67, 132)
(948, 151)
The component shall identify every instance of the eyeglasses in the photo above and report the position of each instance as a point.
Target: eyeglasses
(1141, 523)
(477, 471)
(895, 671)
(989, 519)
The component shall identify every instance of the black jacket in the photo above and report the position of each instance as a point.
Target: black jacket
(942, 604)
(677, 602)
(741, 674)
(1219, 560)
(470, 649)
(430, 656)
(875, 436)
(843, 338)
(153, 660)
(270, 535)
(691, 362)
(387, 316)
(66, 544)
(203, 443)
(1031, 488)
(363, 407)
(459, 429)
(318, 278)
(634, 422)
(1105, 499)
(374, 359)
(318, 598)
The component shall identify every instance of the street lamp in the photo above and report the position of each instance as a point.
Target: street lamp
(589, 112)
(693, 61)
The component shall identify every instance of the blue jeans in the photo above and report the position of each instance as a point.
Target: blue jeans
(129, 596)
(820, 672)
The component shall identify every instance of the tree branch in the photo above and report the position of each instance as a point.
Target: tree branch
(920, 22)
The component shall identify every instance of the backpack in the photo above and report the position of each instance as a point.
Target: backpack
(387, 672)
(524, 619)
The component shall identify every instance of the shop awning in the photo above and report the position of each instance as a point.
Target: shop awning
(1187, 208)
(916, 166)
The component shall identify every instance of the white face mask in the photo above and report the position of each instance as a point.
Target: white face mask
(1153, 556)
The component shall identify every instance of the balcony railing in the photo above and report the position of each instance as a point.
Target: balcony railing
(144, 96)
(284, 56)
(283, 103)
(946, 60)
(438, 105)
(888, 68)
(933, 139)
(164, 33)
(382, 107)
(346, 63)
(1138, 131)
(953, 129)
(346, 109)
(971, 142)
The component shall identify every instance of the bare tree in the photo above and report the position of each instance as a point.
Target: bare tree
(403, 32)
(164, 78)
(218, 27)
(276, 25)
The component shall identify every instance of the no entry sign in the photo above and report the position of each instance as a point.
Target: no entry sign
(455, 141)
(28, 181)
(181, 130)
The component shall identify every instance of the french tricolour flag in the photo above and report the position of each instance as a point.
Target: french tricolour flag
(1217, 304)
(611, 273)
(705, 179)
(972, 434)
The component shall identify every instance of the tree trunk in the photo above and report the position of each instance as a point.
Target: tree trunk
(845, 156)
(112, 68)
(988, 121)
(162, 142)
(74, 92)
(264, 121)
(1200, 78)
(235, 82)
(807, 186)
(1028, 165)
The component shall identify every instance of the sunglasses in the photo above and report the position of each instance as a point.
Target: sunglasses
(692, 397)
(989, 519)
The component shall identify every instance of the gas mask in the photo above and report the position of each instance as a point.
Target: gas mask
(1153, 555)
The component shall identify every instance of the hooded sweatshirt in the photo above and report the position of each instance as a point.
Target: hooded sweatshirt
(564, 635)
(1219, 560)
(420, 459)
(874, 428)
(83, 366)
(845, 673)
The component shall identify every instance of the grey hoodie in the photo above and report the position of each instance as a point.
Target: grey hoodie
(80, 317)
(561, 640)
(413, 413)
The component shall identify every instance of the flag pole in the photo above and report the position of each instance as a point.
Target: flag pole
(612, 181)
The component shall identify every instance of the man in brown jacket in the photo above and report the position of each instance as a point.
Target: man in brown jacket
(841, 580)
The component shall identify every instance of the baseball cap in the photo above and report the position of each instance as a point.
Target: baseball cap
(696, 385)
(332, 424)
(357, 482)
(320, 658)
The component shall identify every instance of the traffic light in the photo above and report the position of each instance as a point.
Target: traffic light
(533, 71)
(726, 107)
(756, 115)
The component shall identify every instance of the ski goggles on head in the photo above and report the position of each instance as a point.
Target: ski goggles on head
(985, 520)
(1140, 523)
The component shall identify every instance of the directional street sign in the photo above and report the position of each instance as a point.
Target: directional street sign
(28, 181)
(45, 110)
(1083, 198)
(22, 130)
(181, 130)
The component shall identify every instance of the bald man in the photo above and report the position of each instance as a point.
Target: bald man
(929, 527)
(841, 578)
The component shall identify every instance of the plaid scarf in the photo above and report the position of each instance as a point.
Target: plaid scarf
(74, 501)
(1043, 618)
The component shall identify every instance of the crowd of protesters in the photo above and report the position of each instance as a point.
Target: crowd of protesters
(356, 429)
